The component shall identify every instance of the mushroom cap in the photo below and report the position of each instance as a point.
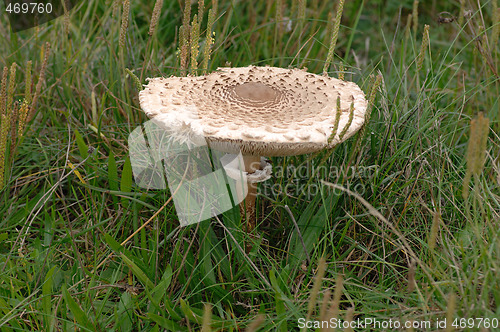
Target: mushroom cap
(261, 111)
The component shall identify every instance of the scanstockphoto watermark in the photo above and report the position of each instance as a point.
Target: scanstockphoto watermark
(365, 324)
(332, 172)
(305, 190)
(302, 180)
(369, 323)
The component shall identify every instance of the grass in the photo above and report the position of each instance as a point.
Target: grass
(400, 222)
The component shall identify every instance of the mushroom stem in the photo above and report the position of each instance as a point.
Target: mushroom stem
(247, 206)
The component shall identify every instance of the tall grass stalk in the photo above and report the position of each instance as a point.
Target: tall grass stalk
(461, 14)
(155, 17)
(3, 90)
(333, 310)
(23, 115)
(371, 99)
(335, 128)
(184, 34)
(423, 48)
(195, 44)
(409, 21)
(450, 312)
(209, 40)
(349, 317)
(341, 72)
(201, 11)
(414, 15)
(301, 17)
(41, 80)
(495, 32)
(4, 131)
(349, 121)
(124, 27)
(10, 89)
(137, 81)
(207, 318)
(334, 37)
(476, 150)
(27, 86)
(215, 6)
(6, 116)
(318, 280)
(66, 4)
(278, 30)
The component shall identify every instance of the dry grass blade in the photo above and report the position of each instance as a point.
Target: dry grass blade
(324, 304)
(450, 311)
(411, 276)
(299, 234)
(318, 280)
(434, 230)
(333, 310)
(404, 245)
(349, 317)
(207, 318)
(255, 324)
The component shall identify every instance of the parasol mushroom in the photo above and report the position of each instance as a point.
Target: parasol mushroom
(256, 111)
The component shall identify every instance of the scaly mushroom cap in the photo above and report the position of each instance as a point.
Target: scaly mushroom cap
(261, 111)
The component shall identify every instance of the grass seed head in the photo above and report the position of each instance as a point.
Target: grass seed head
(209, 40)
(10, 89)
(476, 150)
(155, 17)
(423, 48)
(195, 46)
(348, 124)
(27, 88)
(334, 37)
(415, 17)
(4, 131)
(3, 90)
(124, 26)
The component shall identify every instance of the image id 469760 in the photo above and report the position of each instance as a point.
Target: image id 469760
(27, 14)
